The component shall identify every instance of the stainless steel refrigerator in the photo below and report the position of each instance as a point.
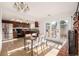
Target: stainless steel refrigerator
(7, 31)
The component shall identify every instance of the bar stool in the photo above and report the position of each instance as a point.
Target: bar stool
(38, 40)
(34, 37)
(39, 43)
(43, 41)
(30, 39)
(46, 40)
(27, 41)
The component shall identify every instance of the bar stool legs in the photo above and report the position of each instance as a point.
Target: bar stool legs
(37, 46)
(24, 44)
(31, 47)
(37, 50)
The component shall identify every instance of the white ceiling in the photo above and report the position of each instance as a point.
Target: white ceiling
(39, 9)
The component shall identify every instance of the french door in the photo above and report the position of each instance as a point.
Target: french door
(57, 30)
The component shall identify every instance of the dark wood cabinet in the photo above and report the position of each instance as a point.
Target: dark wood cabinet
(72, 43)
(17, 25)
(76, 30)
(36, 24)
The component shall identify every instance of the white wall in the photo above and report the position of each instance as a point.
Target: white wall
(0, 30)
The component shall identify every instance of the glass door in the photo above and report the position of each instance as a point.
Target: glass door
(57, 30)
(51, 30)
(54, 29)
(63, 29)
(48, 30)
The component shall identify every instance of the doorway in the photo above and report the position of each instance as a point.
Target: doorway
(57, 31)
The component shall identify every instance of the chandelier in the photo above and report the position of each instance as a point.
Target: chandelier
(21, 6)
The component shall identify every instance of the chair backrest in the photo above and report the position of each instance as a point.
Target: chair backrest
(41, 37)
(28, 36)
(34, 34)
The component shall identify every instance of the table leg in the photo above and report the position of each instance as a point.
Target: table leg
(24, 44)
(31, 47)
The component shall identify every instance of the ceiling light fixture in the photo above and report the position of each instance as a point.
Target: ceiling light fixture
(21, 6)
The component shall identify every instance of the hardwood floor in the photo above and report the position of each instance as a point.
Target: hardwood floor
(16, 48)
